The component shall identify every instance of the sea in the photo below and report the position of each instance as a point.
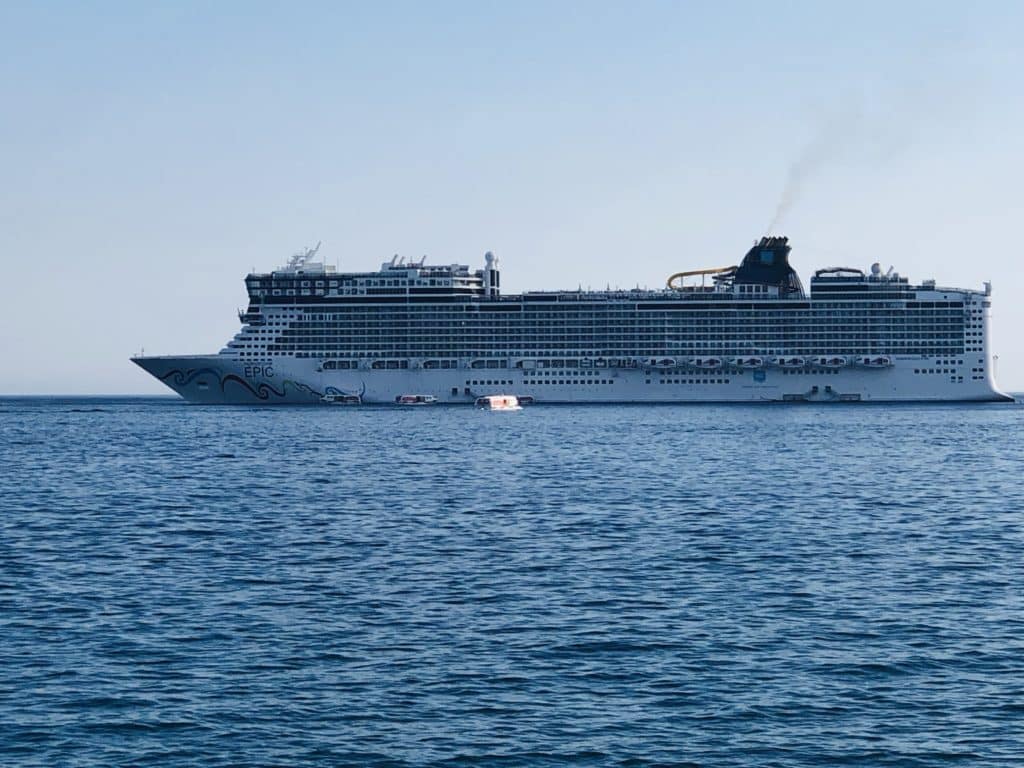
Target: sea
(769, 585)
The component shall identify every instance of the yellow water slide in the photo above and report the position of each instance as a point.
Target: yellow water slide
(693, 273)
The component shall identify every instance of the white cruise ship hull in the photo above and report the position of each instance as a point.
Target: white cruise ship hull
(222, 380)
(311, 334)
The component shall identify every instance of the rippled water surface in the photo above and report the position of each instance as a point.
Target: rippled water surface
(749, 586)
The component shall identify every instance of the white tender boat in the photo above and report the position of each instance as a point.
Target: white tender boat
(339, 399)
(416, 400)
(498, 403)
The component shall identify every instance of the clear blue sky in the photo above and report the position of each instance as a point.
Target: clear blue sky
(151, 154)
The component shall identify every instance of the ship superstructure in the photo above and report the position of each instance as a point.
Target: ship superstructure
(750, 332)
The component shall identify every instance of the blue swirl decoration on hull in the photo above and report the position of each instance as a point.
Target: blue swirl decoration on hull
(303, 388)
(184, 378)
(336, 391)
(261, 391)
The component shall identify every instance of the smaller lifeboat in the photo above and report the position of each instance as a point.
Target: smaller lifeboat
(498, 403)
(831, 362)
(415, 400)
(748, 362)
(792, 362)
(707, 363)
(881, 361)
(340, 399)
(665, 362)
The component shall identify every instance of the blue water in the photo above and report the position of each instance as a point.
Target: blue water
(712, 586)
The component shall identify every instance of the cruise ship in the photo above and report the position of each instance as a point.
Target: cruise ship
(746, 333)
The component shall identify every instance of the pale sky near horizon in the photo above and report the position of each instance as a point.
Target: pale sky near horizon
(153, 153)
